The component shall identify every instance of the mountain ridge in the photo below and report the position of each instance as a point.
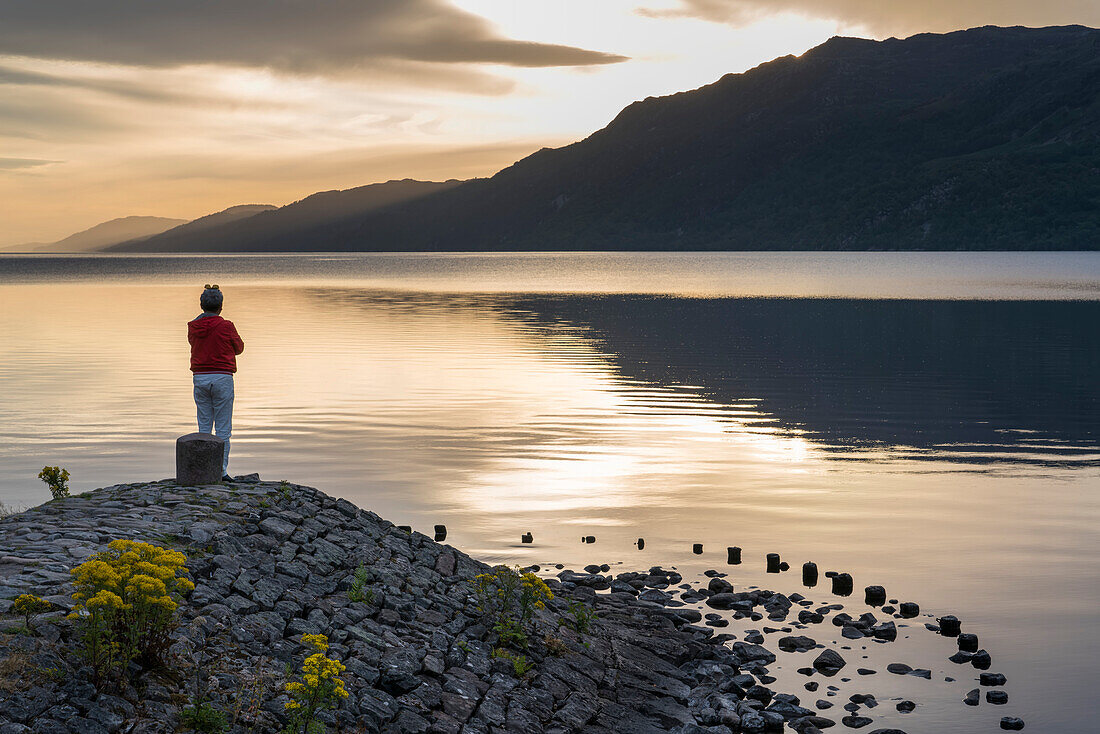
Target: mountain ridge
(324, 207)
(104, 234)
(982, 139)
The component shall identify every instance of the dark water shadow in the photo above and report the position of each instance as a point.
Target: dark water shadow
(968, 381)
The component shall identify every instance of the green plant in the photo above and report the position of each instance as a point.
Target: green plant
(285, 490)
(320, 688)
(127, 597)
(57, 675)
(521, 666)
(508, 599)
(204, 717)
(359, 590)
(30, 606)
(581, 616)
(57, 479)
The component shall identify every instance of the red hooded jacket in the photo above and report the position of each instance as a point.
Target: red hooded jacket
(215, 345)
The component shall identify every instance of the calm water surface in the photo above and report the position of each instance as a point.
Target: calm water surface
(927, 422)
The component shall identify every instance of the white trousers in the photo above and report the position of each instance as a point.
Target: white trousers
(214, 406)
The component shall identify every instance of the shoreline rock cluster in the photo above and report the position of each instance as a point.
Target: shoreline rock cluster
(272, 561)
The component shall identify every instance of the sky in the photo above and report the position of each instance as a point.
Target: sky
(180, 108)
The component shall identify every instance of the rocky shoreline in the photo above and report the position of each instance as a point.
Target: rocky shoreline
(272, 561)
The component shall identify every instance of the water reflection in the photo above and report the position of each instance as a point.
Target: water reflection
(965, 381)
(947, 449)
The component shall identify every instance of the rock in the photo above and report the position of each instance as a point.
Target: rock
(728, 601)
(719, 586)
(752, 722)
(748, 652)
(281, 563)
(1012, 723)
(445, 564)
(961, 657)
(997, 697)
(973, 697)
(875, 596)
(921, 673)
(528, 538)
(276, 528)
(623, 587)
(809, 574)
(655, 595)
(800, 643)
(199, 459)
(981, 660)
(829, 662)
(697, 549)
(968, 642)
(733, 555)
(992, 679)
(842, 584)
(909, 609)
(856, 722)
(950, 626)
(906, 707)
(899, 669)
(773, 562)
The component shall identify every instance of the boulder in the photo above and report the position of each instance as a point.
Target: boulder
(829, 662)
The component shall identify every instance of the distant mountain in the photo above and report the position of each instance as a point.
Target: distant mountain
(189, 231)
(983, 139)
(287, 228)
(104, 235)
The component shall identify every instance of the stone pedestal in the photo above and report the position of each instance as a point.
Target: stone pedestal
(199, 459)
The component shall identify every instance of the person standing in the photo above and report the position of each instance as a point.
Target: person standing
(215, 345)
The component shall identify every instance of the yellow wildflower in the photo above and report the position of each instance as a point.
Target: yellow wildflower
(105, 600)
(317, 642)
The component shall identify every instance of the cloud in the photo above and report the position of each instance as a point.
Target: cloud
(894, 18)
(134, 90)
(16, 164)
(298, 36)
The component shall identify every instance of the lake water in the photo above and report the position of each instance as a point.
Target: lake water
(929, 422)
